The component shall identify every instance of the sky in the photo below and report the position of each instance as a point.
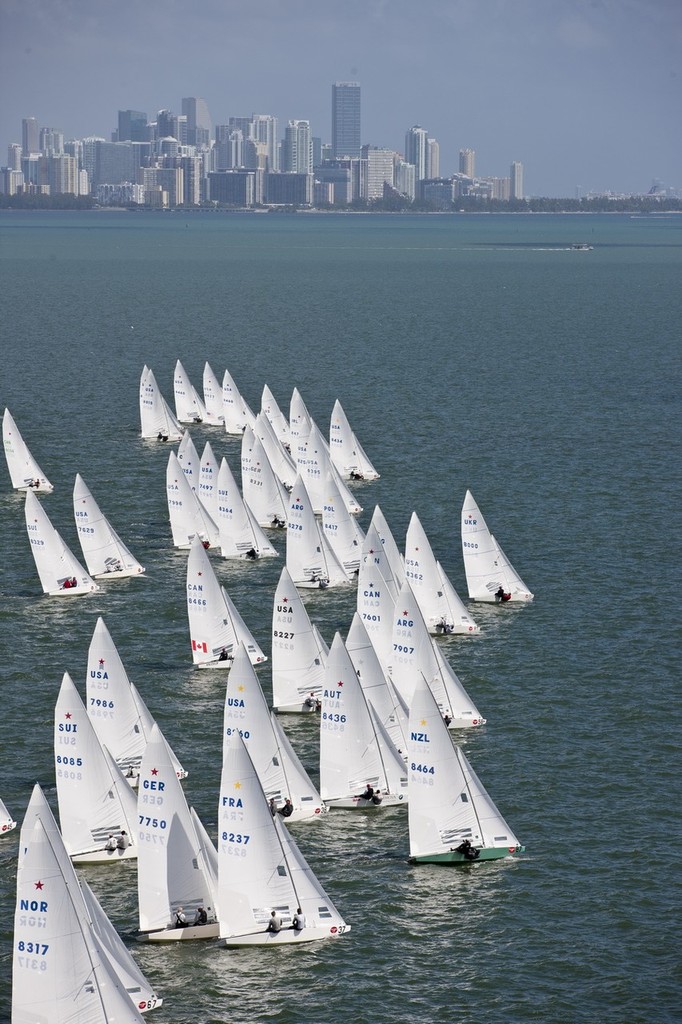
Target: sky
(585, 93)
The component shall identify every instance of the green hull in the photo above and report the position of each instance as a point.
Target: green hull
(452, 857)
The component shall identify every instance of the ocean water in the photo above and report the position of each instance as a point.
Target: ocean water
(472, 352)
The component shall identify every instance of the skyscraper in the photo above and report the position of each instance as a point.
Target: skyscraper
(415, 150)
(432, 158)
(264, 130)
(195, 110)
(345, 119)
(298, 148)
(467, 162)
(132, 126)
(30, 136)
(516, 180)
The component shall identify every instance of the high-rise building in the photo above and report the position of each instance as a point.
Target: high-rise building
(132, 126)
(467, 162)
(298, 148)
(63, 175)
(379, 171)
(195, 109)
(516, 180)
(415, 150)
(264, 130)
(30, 136)
(432, 158)
(14, 156)
(171, 126)
(51, 142)
(346, 136)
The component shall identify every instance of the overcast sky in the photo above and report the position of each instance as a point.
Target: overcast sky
(585, 93)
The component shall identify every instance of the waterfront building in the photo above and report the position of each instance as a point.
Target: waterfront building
(439, 192)
(340, 174)
(115, 162)
(156, 180)
(516, 180)
(195, 109)
(298, 148)
(288, 189)
(346, 132)
(30, 136)
(264, 131)
(14, 153)
(236, 188)
(405, 178)
(63, 175)
(467, 162)
(51, 142)
(415, 150)
(432, 158)
(132, 126)
(379, 169)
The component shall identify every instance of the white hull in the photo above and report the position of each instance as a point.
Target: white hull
(295, 709)
(286, 935)
(201, 931)
(356, 803)
(118, 574)
(104, 856)
(7, 826)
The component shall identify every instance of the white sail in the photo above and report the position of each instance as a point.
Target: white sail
(7, 822)
(395, 559)
(315, 467)
(156, 418)
(271, 409)
(355, 749)
(60, 972)
(105, 553)
(215, 625)
(207, 490)
(341, 529)
(261, 868)
(86, 904)
(172, 875)
(490, 575)
(24, 471)
(240, 534)
(188, 457)
(415, 654)
(263, 491)
(279, 769)
(448, 803)
(189, 408)
(118, 714)
(95, 800)
(213, 398)
(300, 421)
(377, 594)
(346, 452)
(188, 517)
(298, 651)
(310, 560)
(60, 572)
(377, 686)
(281, 461)
(236, 413)
(438, 601)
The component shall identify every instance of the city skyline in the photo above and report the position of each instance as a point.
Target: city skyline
(585, 96)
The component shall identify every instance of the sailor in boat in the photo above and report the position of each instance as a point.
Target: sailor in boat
(123, 841)
(278, 523)
(252, 554)
(443, 626)
(298, 923)
(206, 544)
(354, 475)
(35, 483)
(501, 596)
(275, 922)
(312, 702)
(368, 794)
(200, 917)
(111, 843)
(468, 851)
(161, 437)
(447, 719)
(223, 656)
(273, 806)
(287, 809)
(69, 584)
(377, 797)
(180, 919)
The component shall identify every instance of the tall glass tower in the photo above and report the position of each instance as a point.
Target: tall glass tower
(345, 119)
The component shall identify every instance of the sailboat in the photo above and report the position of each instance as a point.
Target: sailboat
(157, 420)
(207, 490)
(60, 572)
(106, 556)
(490, 575)
(280, 458)
(415, 653)
(299, 653)
(271, 409)
(263, 491)
(346, 452)
(282, 776)
(377, 594)
(240, 534)
(90, 913)
(309, 558)
(188, 457)
(260, 867)
(176, 872)
(7, 823)
(341, 529)
(356, 751)
(24, 471)
(452, 819)
(189, 408)
(95, 801)
(315, 467)
(60, 972)
(118, 714)
(440, 605)
(213, 399)
(388, 543)
(188, 517)
(236, 412)
(215, 625)
(377, 686)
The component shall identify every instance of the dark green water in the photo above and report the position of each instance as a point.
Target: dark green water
(474, 352)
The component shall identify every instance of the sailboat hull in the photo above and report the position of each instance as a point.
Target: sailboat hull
(452, 857)
(118, 574)
(201, 931)
(287, 935)
(104, 856)
(354, 803)
(7, 826)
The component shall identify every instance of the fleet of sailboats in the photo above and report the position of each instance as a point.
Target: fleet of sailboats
(387, 700)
